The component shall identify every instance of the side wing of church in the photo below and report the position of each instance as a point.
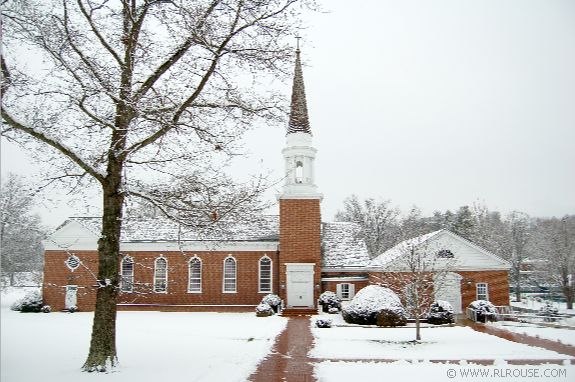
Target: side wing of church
(293, 255)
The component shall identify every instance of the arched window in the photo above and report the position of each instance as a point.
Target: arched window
(195, 275)
(127, 274)
(265, 281)
(161, 275)
(230, 272)
(299, 172)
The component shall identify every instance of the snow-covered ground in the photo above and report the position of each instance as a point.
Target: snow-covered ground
(565, 336)
(537, 303)
(329, 371)
(151, 345)
(440, 343)
(458, 344)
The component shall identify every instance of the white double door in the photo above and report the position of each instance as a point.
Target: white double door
(299, 277)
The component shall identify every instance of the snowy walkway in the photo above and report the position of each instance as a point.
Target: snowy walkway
(521, 338)
(289, 359)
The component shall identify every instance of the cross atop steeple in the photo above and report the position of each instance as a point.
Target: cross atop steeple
(298, 118)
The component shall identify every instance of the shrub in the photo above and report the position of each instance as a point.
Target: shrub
(329, 300)
(369, 302)
(323, 323)
(30, 303)
(46, 309)
(484, 310)
(390, 317)
(440, 312)
(264, 310)
(333, 310)
(273, 300)
(549, 311)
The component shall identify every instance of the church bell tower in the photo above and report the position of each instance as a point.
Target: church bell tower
(300, 217)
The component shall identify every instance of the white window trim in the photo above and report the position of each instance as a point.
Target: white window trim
(260, 275)
(351, 291)
(235, 275)
(486, 291)
(190, 274)
(126, 258)
(155, 269)
(75, 258)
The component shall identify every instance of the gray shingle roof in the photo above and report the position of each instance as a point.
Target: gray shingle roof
(342, 246)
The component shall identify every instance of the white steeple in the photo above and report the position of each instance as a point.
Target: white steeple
(299, 154)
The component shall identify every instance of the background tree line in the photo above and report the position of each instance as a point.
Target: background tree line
(541, 250)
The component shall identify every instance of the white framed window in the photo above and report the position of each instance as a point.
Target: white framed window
(265, 279)
(482, 291)
(230, 275)
(195, 275)
(127, 274)
(161, 275)
(72, 262)
(345, 291)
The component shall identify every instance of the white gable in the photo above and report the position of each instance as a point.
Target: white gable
(71, 235)
(467, 256)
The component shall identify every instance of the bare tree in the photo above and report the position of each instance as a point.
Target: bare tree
(517, 233)
(555, 243)
(126, 91)
(21, 231)
(378, 220)
(417, 270)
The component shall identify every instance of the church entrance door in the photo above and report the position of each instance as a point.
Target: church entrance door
(299, 279)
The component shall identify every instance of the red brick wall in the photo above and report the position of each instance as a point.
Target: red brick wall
(497, 285)
(300, 238)
(497, 281)
(57, 276)
(332, 285)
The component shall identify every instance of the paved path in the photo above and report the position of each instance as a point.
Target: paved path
(521, 338)
(288, 360)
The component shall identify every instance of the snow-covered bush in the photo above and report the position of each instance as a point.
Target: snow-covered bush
(72, 309)
(30, 303)
(264, 310)
(440, 312)
(323, 323)
(46, 309)
(549, 311)
(329, 300)
(390, 317)
(484, 310)
(333, 310)
(371, 300)
(272, 300)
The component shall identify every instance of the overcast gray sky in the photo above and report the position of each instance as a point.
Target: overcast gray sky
(431, 103)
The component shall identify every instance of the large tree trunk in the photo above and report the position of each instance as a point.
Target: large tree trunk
(102, 354)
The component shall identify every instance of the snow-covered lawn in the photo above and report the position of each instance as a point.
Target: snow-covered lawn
(565, 336)
(151, 345)
(439, 343)
(536, 304)
(329, 371)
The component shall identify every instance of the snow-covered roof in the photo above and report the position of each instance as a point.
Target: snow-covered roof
(401, 249)
(466, 255)
(159, 229)
(343, 246)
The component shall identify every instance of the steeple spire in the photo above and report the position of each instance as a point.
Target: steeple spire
(298, 118)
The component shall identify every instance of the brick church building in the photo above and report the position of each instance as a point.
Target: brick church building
(294, 255)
